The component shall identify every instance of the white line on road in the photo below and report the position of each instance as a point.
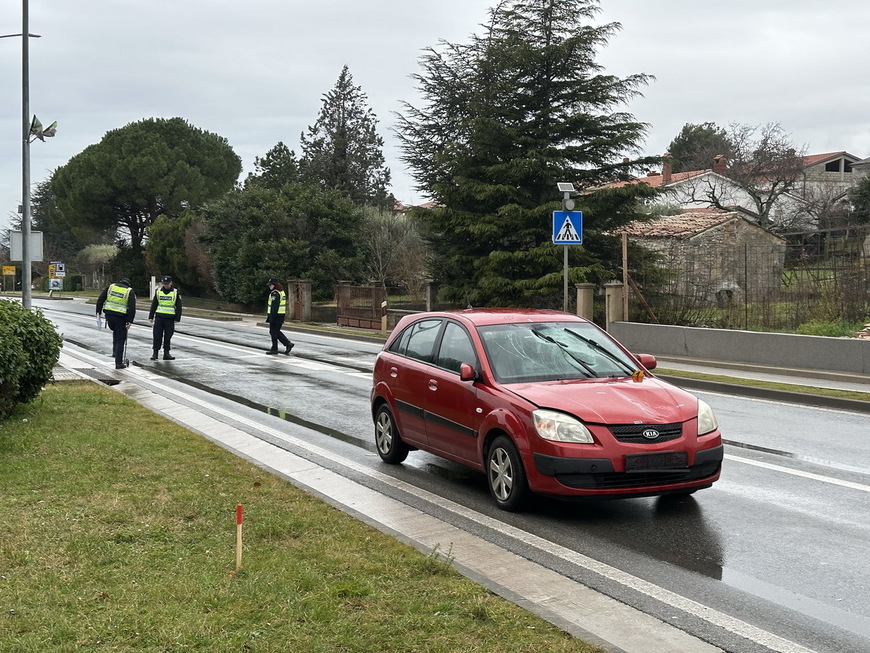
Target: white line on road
(796, 472)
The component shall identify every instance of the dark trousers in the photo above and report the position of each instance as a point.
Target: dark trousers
(164, 327)
(117, 323)
(275, 324)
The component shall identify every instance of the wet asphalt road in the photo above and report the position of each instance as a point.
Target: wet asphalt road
(781, 542)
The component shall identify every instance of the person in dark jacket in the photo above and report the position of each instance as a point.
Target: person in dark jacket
(165, 312)
(277, 310)
(118, 303)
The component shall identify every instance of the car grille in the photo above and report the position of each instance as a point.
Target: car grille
(633, 433)
(620, 480)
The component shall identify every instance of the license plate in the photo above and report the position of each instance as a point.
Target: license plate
(644, 462)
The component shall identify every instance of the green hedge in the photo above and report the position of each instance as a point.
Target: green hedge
(29, 349)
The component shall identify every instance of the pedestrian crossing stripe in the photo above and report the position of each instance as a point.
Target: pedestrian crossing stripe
(568, 232)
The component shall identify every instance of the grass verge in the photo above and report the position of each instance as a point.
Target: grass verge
(772, 385)
(119, 535)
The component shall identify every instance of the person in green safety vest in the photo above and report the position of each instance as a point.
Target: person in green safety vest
(118, 303)
(165, 312)
(277, 311)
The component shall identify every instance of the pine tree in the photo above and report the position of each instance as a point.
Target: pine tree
(342, 151)
(506, 117)
(277, 168)
(695, 147)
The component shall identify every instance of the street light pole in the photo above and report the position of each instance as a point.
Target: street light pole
(25, 156)
(25, 151)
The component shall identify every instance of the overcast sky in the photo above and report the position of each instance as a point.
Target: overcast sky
(255, 71)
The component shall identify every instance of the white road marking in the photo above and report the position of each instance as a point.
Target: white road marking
(796, 472)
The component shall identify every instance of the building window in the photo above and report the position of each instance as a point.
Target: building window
(833, 166)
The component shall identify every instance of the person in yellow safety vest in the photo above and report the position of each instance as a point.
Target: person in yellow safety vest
(165, 312)
(118, 303)
(277, 311)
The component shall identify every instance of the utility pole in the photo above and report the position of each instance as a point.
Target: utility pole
(28, 128)
(26, 281)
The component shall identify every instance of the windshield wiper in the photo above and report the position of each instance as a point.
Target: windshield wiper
(591, 342)
(564, 349)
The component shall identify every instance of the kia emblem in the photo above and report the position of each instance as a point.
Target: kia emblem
(650, 434)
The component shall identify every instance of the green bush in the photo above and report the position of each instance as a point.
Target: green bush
(834, 329)
(12, 362)
(29, 349)
(73, 282)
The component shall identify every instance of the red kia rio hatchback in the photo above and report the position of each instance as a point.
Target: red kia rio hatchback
(541, 402)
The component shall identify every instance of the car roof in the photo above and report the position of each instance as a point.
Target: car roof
(488, 316)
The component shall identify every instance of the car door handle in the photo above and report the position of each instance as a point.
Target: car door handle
(394, 372)
(433, 385)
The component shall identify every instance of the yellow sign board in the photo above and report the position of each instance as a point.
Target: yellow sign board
(8, 270)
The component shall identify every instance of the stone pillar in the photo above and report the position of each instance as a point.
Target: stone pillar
(612, 303)
(431, 296)
(302, 300)
(585, 295)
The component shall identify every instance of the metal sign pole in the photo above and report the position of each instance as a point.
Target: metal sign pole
(565, 275)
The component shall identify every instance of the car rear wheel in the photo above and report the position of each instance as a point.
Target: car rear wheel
(505, 475)
(391, 447)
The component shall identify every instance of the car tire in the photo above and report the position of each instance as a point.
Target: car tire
(505, 475)
(391, 448)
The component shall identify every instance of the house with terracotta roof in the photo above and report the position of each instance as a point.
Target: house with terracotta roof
(861, 169)
(822, 185)
(713, 255)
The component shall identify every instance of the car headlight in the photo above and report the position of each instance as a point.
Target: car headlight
(706, 419)
(559, 427)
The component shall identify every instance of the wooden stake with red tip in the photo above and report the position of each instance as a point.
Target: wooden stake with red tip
(239, 513)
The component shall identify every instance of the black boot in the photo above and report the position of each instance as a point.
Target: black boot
(154, 355)
(167, 356)
(289, 347)
(271, 351)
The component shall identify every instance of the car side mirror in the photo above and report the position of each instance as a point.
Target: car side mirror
(647, 360)
(466, 372)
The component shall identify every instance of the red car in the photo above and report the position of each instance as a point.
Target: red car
(540, 401)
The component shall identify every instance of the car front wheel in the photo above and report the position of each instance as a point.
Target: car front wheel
(505, 475)
(390, 446)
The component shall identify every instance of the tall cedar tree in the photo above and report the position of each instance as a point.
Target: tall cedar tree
(506, 117)
(342, 150)
(136, 173)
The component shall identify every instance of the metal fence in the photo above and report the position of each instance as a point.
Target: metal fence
(819, 276)
(359, 306)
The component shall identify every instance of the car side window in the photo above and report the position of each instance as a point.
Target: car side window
(456, 348)
(400, 344)
(420, 342)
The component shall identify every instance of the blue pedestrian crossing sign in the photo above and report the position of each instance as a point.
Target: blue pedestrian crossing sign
(567, 227)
